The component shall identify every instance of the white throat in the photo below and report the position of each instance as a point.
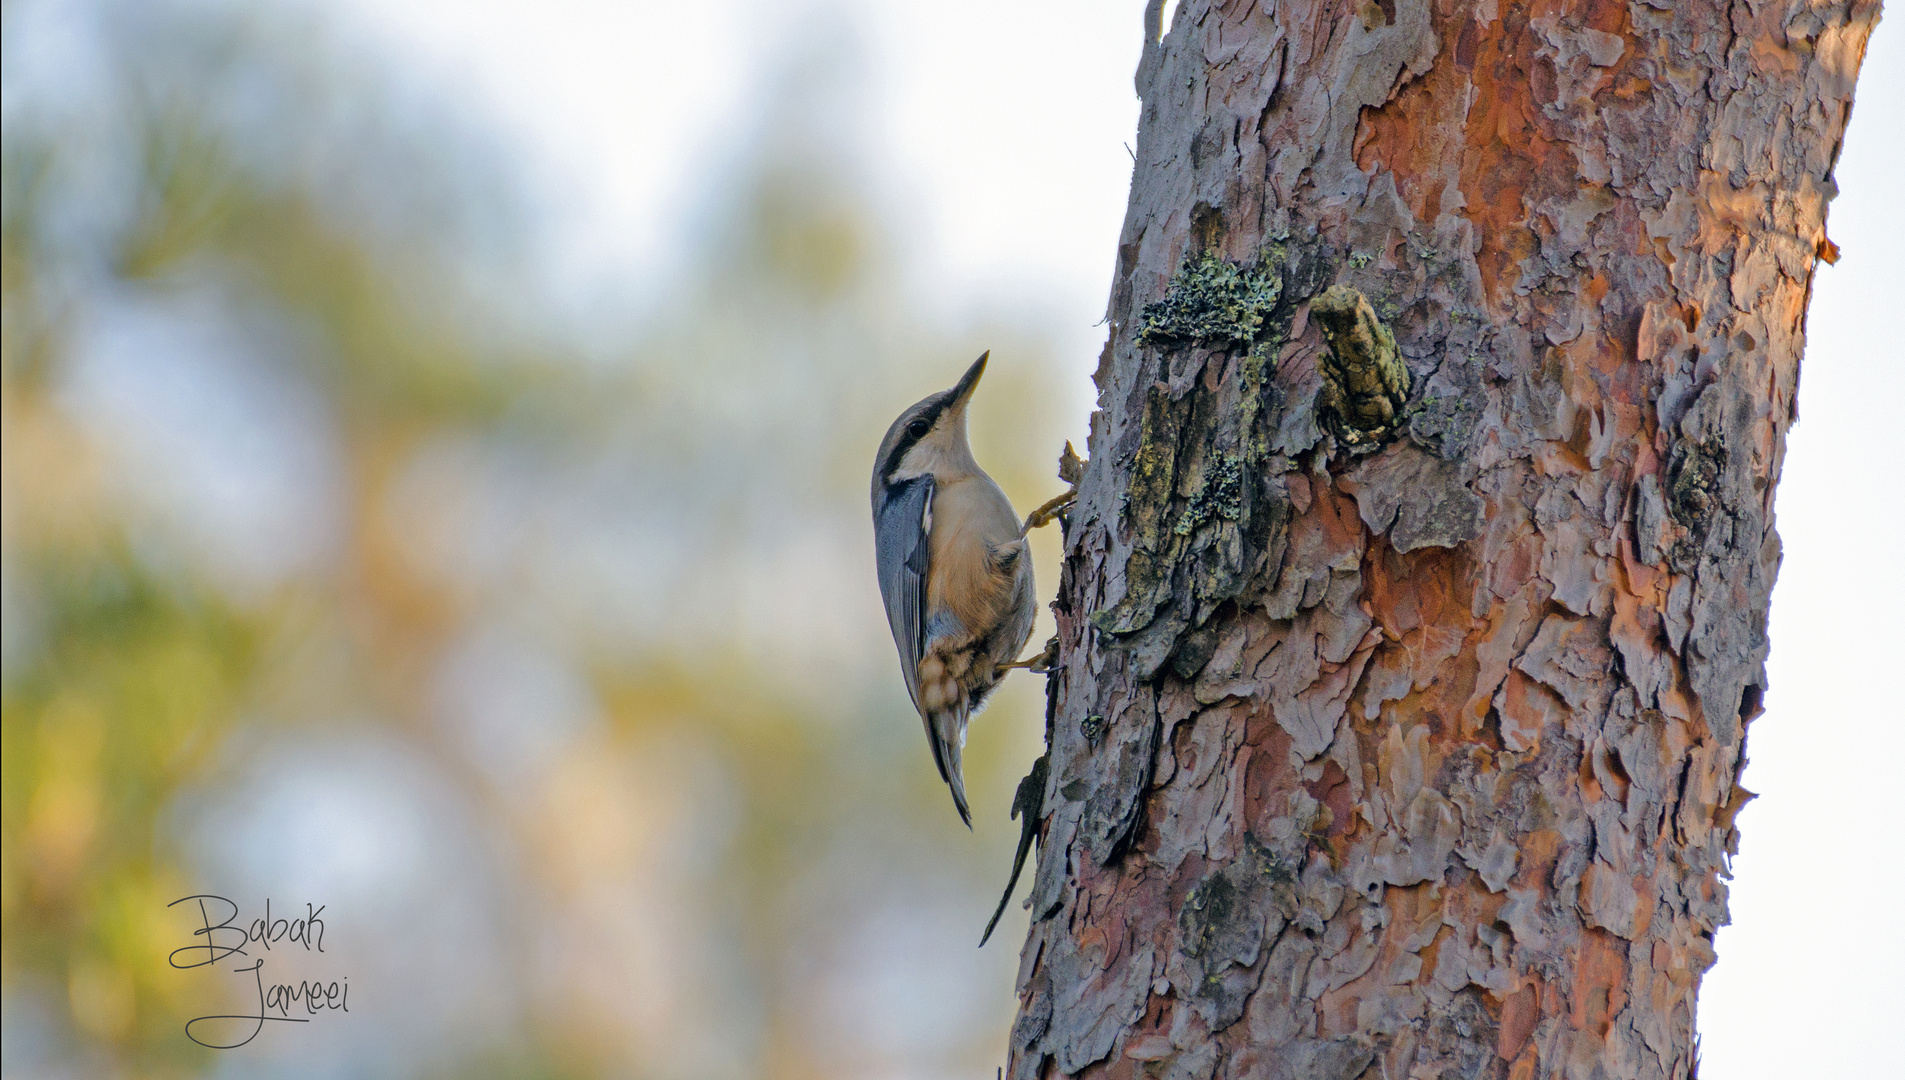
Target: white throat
(943, 453)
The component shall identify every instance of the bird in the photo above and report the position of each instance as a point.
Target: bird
(955, 573)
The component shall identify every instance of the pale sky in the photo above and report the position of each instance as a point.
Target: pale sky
(622, 107)
(997, 133)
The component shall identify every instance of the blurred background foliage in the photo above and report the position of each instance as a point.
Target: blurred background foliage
(342, 567)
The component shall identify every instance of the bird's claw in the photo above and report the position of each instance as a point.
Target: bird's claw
(1040, 663)
(1044, 515)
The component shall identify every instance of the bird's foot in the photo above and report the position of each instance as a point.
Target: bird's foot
(1040, 663)
(1071, 469)
(1044, 515)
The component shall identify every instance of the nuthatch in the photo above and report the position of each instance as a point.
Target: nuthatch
(954, 569)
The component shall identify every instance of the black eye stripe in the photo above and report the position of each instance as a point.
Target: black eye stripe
(908, 438)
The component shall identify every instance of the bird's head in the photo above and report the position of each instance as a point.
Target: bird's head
(929, 439)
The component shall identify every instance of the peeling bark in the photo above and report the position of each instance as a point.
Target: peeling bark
(1398, 719)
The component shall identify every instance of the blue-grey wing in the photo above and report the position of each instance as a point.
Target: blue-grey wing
(899, 537)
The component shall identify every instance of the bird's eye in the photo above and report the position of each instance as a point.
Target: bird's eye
(919, 427)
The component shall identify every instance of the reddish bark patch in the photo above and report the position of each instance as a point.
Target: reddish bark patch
(1520, 1011)
(1600, 980)
(1332, 790)
(1267, 775)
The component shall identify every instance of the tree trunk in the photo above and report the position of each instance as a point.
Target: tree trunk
(1409, 629)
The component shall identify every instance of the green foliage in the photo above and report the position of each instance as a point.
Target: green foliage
(124, 698)
(743, 407)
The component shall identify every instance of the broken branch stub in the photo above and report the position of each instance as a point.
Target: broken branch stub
(1364, 381)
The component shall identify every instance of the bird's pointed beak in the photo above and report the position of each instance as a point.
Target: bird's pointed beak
(962, 390)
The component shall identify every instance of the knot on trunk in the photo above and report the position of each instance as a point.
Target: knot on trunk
(1364, 381)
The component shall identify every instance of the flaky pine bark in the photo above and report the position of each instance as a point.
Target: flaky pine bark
(1414, 604)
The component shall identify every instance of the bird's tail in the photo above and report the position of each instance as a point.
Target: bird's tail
(949, 739)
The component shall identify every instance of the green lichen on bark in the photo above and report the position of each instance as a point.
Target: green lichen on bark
(1220, 496)
(1147, 499)
(1364, 380)
(1199, 524)
(1154, 468)
(1693, 496)
(1257, 366)
(1212, 302)
(1178, 495)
